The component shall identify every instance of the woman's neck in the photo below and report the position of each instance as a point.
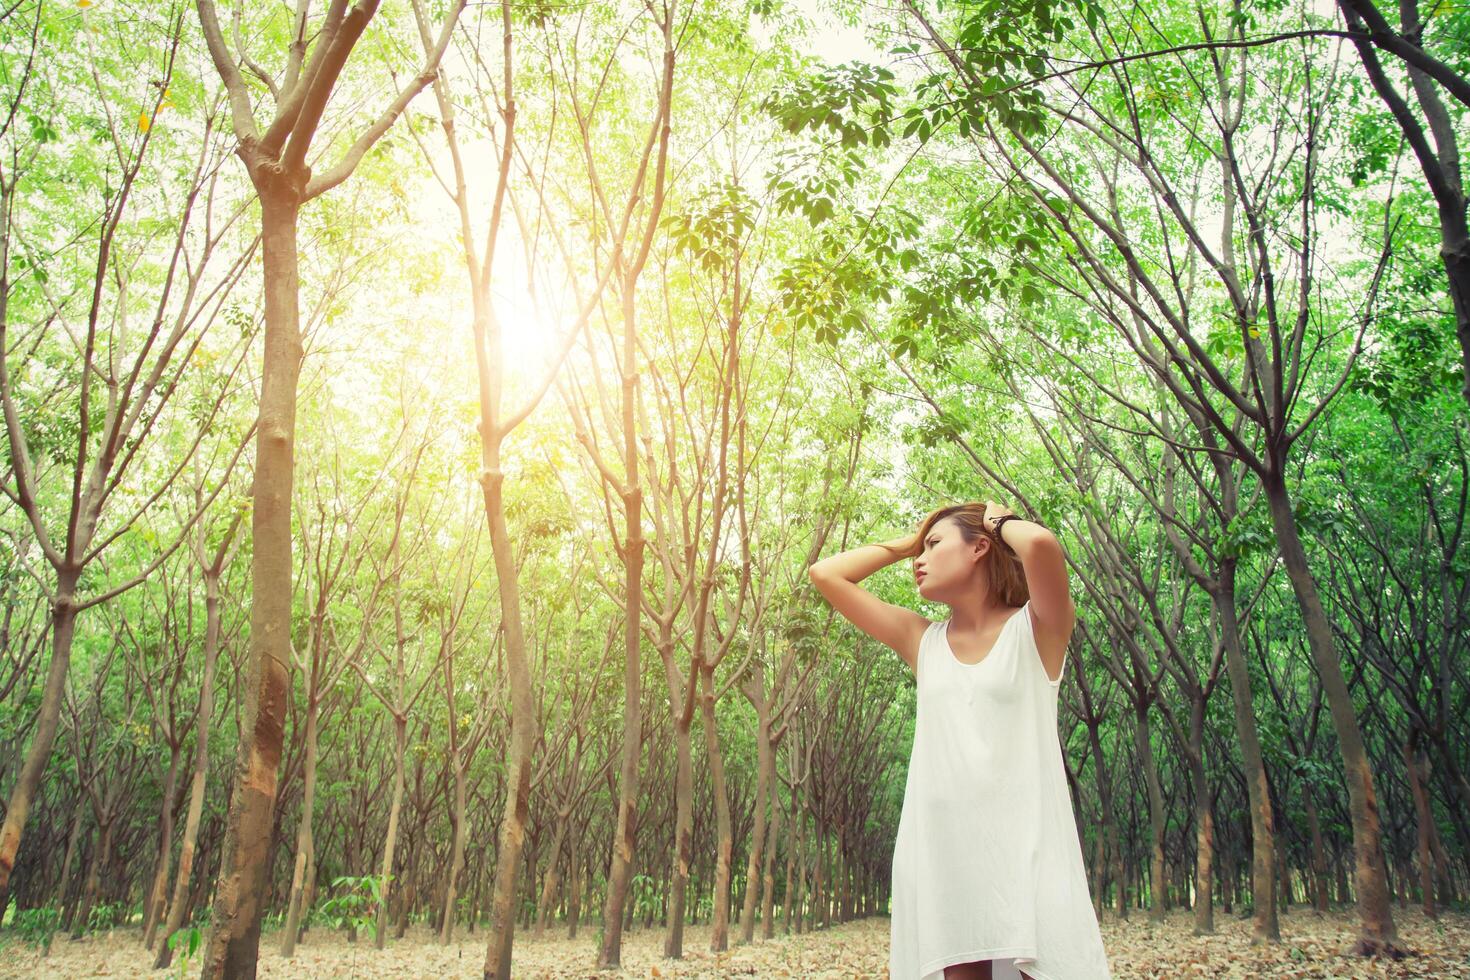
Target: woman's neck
(977, 611)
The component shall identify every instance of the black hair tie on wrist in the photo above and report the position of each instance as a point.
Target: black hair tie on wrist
(995, 529)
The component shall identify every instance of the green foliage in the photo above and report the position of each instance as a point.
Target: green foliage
(354, 906)
(36, 926)
(185, 944)
(714, 227)
(644, 895)
(854, 101)
(105, 915)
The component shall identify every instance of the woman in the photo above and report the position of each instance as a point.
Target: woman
(988, 878)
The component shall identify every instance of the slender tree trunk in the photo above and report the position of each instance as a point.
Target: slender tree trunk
(1109, 819)
(551, 888)
(683, 835)
(100, 858)
(725, 843)
(390, 841)
(1143, 741)
(234, 937)
(303, 831)
(574, 896)
(63, 629)
(768, 879)
(757, 831)
(73, 836)
(609, 956)
(1377, 934)
(309, 894)
(522, 726)
(179, 905)
(1319, 850)
(1424, 820)
(1204, 827)
(1265, 927)
(788, 902)
(456, 856)
(154, 907)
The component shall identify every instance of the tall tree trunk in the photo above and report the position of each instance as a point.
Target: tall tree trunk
(1204, 826)
(758, 829)
(768, 879)
(100, 858)
(551, 888)
(1319, 850)
(1424, 821)
(234, 937)
(1377, 934)
(609, 955)
(683, 834)
(1265, 926)
(456, 855)
(390, 840)
(788, 901)
(303, 830)
(1142, 734)
(724, 842)
(73, 837)
(522, 720)
(574, 896)
(63, 629)
(154, 905)
(180, 903)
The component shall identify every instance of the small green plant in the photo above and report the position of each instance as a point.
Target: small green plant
(185, 943)
(645, 896)
(104, 915)
(37, 925)
(355, 904)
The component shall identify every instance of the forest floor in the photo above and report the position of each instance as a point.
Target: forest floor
(1312, 947)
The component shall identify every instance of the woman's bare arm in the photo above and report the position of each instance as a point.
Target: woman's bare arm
(1045, 566)
(894, 626)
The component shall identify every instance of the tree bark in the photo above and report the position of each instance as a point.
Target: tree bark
(100, 857)
(234, 937)
(768, 879)
(1424, 824)
(1265, 926)
(758, 829)
(155, 905)
(1204, 826)
(1156, 816)
(390, 839)
(304, 844)
(456, 852)
(63, 629)
(180, 902)
(725, 844)
(683, 831)
(1377, 935)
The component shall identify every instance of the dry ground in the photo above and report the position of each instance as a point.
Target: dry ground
(1313, 947)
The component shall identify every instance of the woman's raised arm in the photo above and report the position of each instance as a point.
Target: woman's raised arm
(894, 626)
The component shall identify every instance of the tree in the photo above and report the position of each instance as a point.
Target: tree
(75, 485)
(276, 161)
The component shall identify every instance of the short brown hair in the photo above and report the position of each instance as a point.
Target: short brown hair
(1007, 577)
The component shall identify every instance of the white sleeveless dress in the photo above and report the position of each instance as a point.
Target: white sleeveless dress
(987, 864)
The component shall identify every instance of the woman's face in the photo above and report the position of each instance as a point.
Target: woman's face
(947, 561)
